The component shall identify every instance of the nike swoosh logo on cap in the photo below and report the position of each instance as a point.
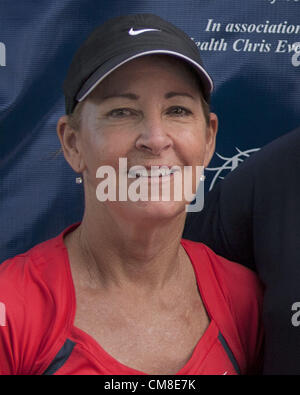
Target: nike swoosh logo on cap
(140, 31)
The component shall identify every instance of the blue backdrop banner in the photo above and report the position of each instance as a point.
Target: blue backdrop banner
(250, 47)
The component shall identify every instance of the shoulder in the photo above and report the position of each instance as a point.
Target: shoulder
(31, 290)
(232, 277)
(238, 282)
(235, 296)
(244, 293)
(24, 270)
(287, 143)
(278, 156)
(238, 286)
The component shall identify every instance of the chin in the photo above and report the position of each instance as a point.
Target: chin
(150, 211)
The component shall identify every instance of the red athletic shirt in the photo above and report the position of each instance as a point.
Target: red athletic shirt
(37, 310)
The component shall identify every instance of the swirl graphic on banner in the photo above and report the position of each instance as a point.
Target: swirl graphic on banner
(229, 164)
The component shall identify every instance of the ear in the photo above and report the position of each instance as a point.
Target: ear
(70, 143)
(211, 133)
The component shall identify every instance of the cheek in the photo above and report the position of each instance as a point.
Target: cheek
(105, 149)
(193, 150)
(192, 141)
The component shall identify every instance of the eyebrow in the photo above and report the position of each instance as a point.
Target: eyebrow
(169, 95)
(130, 96)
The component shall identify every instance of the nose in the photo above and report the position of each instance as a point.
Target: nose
(154, 137)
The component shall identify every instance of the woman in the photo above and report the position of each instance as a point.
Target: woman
(121, 293)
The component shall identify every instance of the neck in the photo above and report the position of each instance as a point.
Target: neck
(138, 254)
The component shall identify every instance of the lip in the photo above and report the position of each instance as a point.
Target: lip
(148, 167)
(153, 171)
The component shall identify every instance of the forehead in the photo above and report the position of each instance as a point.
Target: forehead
(150, 67)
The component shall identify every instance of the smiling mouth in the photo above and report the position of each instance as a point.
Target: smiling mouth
(154, 172)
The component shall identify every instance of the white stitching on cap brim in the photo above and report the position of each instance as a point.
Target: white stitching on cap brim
(161, 51)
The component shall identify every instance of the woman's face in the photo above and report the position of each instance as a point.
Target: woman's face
(148, 111)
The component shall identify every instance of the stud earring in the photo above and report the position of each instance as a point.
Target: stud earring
(202, 177)
(78, 180)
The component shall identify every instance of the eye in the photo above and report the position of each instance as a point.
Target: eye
(120, 113)
(179, 111)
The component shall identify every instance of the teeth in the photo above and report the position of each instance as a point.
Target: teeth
(165, 171)
(142, 172)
